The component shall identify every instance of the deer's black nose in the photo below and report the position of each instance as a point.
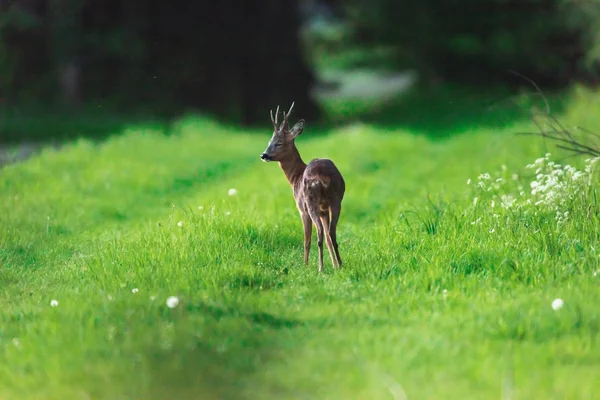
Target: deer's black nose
(265, 157)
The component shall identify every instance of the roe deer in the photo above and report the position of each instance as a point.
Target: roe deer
(318, 187)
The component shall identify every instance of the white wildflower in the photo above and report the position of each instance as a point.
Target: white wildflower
(469, 181)
(557, 304)
(555, 189)
(135, 290)
(172, 301)
(507, 201)
(180, 224)
(232, 192)
(53, 303)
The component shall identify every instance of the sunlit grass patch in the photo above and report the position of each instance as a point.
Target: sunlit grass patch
(153, 266)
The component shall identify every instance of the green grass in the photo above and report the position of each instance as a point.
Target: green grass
(89, 223)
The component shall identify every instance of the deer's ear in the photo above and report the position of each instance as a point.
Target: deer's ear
(297, 129)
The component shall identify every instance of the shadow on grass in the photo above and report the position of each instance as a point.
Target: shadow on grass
(222, 359)
(54, 125)
(225, 358)
(25, 131)
(445, 111)
(437, 112)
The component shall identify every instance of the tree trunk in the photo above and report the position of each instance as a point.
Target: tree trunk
(66, 29)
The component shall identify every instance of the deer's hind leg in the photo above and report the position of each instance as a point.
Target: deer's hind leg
(335, 211)
(326, 227)
(314, 216)
(307, 223)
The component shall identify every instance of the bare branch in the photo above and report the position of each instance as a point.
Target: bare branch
(590, 152)
(535, 86)
(551, 128)
(588, 131)
(573, 143)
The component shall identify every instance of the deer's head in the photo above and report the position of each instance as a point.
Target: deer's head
(282, 142)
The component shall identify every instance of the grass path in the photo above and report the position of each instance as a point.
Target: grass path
(428, 303)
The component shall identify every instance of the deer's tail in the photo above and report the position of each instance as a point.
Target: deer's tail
(319, 182)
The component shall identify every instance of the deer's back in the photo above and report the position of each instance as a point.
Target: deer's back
(323, 183)
(322, 168)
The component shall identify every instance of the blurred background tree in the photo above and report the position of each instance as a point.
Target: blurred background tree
(554, 42)
(230, 57)
(237, 59)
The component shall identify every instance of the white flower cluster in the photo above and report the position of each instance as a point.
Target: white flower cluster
(555, 188)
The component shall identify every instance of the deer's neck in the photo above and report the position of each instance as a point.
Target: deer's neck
(293, 167)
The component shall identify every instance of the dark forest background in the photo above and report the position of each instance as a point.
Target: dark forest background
(236, 59)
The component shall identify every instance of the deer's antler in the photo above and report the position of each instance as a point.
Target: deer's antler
(286, 116)
(274, 120)
(289, 111)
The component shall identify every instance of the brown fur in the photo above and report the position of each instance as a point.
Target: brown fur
(318, 188)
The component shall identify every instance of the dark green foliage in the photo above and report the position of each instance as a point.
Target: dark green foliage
(551, 41)
(228, 58)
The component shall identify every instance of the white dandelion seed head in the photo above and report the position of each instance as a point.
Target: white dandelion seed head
(180, 224)
(557, 304)
(53, 303)
(172, 301)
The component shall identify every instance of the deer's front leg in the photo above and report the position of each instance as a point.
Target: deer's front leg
(307, 222)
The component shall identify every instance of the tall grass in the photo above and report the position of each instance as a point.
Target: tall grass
(445, 292)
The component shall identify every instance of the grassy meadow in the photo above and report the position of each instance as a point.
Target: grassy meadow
(445, 291)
